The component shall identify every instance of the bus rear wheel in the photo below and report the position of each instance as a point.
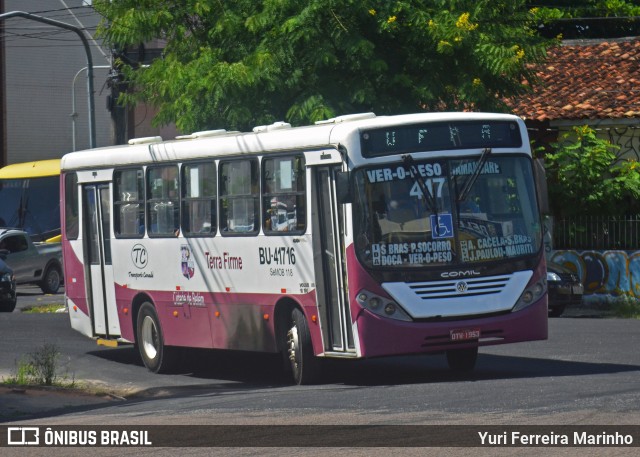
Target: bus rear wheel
(157, 357)
(305, 366)
(462, 360)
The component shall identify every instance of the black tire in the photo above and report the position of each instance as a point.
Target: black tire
(462, 360)
(51, 280)
(157, 357)
(556, 312)
(8, 306)
(305, 366)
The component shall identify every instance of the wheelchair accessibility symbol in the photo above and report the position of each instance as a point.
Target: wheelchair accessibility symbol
(442, 227)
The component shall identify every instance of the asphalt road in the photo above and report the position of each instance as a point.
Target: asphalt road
(586, 373)
(585, 363)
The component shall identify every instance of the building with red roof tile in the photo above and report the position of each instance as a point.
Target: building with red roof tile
(593, 82)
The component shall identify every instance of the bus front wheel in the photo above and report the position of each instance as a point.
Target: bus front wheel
(462, 360)
(305, 366)
(157, 357)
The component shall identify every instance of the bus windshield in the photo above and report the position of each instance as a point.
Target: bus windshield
(495, 218)
(30, 196)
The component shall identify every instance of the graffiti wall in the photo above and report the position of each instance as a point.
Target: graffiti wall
(604, 272)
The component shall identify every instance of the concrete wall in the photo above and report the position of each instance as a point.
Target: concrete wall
(604, 272)
(40, 64)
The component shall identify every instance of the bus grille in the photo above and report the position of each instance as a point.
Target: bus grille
(459, 296)
(459, 287)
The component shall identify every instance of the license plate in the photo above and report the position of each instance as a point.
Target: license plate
(465, 334)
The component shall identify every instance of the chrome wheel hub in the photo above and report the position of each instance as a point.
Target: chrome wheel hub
(292, 345)
(149, 338)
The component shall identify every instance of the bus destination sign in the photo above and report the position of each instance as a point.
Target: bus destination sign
(440, 136)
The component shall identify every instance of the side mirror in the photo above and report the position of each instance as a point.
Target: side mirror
(540, 177)
(343, 187)
(4, 253)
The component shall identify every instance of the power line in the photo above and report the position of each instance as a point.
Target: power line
(18, 34)
(92, 39)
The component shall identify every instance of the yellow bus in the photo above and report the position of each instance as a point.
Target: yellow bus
(30, 196)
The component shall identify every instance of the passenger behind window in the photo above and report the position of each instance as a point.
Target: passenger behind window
(401, 210)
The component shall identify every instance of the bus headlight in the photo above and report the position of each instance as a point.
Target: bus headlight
(381, 306)
(531, 295)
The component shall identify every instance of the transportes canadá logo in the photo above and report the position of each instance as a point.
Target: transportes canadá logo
(139, 256)
(188, 265)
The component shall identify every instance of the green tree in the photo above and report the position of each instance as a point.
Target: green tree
(588, 8)
(587, 18)
(585, 176)
(235, 64)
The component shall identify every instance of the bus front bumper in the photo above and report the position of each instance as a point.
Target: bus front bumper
(386, 337)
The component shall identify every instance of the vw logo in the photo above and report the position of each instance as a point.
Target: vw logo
(461, 286)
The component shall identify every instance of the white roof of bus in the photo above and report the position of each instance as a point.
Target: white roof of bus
(280, 139)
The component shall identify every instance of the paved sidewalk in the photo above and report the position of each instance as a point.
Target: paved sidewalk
(20, 403)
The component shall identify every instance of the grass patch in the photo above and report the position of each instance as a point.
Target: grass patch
(42, 309)
(626, 307)
(41, 368)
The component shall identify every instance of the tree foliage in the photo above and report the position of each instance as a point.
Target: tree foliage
(238, 63)
(587, 8)
(585, 176)
(588, 18)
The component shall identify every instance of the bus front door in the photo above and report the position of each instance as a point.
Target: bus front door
(329, 264)
(97, 258)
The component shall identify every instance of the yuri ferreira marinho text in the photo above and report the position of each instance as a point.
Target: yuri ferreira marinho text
(551, 438)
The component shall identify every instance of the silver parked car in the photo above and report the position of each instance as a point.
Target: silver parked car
(32, 263)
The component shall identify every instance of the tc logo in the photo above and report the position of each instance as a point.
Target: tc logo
(139, 256)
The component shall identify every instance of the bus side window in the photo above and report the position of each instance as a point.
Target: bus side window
(199, 211)
(163, 202)
(128, 204)
(239, 197)
(283, 195)
(71, 206)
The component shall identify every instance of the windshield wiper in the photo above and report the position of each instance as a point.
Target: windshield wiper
(429, 197)
(471, 180)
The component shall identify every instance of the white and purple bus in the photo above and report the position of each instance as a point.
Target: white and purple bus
(360, 236)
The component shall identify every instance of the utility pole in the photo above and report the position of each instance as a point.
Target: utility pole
(78, 31)
(73, 114)
(3, 102)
